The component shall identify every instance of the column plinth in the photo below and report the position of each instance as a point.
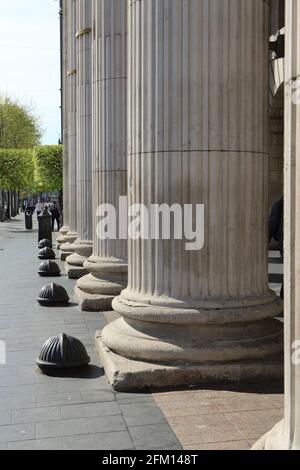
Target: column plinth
(61, 237)
(66, 247)
(107, 267)
(64, 230)
(105, 281)
(198, 134)
(75, 261)
(66, 237)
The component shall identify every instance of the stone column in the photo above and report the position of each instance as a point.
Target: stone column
(71, 90)
(108, 264)
(83, 246)
(286, 435)
(198, 134)
(65, 229)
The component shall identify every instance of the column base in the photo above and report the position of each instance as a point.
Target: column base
(75, 272)
(60, 239)
(126, 375)
(67, 250)
(165, 345)
(275, 440)
(64, 230)
(75, 262)
(93, 302)
(70, 238)
(105, 281)
(64, 255)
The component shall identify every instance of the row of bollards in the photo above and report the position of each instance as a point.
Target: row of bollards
(63, 352)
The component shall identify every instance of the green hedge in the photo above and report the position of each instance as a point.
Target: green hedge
(16, 169)
(48, 163)
(37, 169)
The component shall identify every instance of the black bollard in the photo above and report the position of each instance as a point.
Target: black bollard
(2, 214)
(45, 225)
(28, 220)
(62, 353)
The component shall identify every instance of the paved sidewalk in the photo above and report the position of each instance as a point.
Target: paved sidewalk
(232, 419)
(39, 412)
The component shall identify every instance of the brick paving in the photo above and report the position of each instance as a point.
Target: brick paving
(216, 419)
(79, 412)
(83, 412)
(232, 419)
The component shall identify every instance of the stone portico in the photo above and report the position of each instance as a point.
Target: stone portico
(205, 315)
(179, 114)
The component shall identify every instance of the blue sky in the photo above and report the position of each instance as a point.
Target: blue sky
(30, 60)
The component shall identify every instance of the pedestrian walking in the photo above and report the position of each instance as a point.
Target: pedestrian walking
(39, 208)
(55, 213)
(30, 209)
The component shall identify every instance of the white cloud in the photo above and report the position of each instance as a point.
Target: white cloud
(29, 58)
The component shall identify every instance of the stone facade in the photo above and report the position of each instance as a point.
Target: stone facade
(203, 142)
(65, 229)
(185, 107)
(107, 266)
(286, 435)
(70, 115)
(83, 246)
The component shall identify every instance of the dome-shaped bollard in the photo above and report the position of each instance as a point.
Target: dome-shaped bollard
(46, 253)
(45, 244)
(62, 352)
(49, 269)
(53, 295)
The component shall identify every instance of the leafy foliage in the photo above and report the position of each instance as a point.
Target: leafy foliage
(48, 162)
(16, 169)
(24, 165)
(19, 127)
(38, 169)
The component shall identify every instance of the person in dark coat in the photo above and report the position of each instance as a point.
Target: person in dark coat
(276, 228)
(55, 213)
(30, 209)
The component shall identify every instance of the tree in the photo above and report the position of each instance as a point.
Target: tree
(16, 173)
(16, 169)
(48, 163)
(19, 127)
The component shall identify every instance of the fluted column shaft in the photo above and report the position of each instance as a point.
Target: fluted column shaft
(65, 228)
(84, 119)
(199, 130)
(286, 435)
(83, 245)
(108, 264)
(71, 89)
(198, 134)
